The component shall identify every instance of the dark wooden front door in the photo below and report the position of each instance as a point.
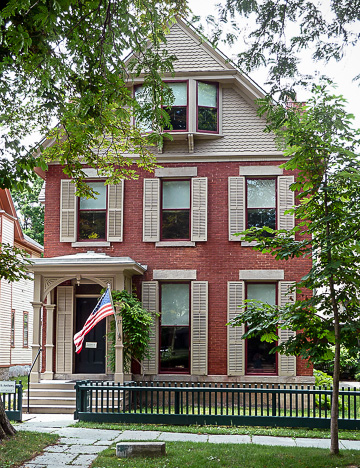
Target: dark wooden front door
(90, 360)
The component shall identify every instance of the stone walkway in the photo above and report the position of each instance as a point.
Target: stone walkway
(78, 447)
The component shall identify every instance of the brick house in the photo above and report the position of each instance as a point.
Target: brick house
(171, 235)
(15, 297)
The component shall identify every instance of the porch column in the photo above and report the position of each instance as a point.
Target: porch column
(35, 374)
(49, 346)
(119, 353)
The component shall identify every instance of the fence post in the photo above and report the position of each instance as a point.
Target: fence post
(177, 402)
(19, 402)
(273, 405)
(79, 398)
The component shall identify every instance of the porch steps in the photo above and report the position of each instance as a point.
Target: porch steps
(57, 397)
(51, 397)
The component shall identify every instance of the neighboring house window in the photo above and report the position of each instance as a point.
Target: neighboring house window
(261, 203)
(26, 329)
(12, 338)
(175, 327)
(92, 214)
(179, 109)
(207, 107)
(143, 97)
(259, 360)
(175, 210)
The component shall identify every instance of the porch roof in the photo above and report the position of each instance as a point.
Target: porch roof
(85, 262)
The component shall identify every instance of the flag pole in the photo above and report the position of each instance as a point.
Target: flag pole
(112, 304)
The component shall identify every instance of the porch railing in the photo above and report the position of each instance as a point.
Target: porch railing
(233, 404)
(13, 403)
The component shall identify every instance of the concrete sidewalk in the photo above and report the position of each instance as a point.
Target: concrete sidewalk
(78, 447)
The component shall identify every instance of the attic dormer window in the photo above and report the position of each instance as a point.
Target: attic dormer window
(207, 107)
(179, 108)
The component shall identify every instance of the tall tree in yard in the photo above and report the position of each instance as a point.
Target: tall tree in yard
(322, 146)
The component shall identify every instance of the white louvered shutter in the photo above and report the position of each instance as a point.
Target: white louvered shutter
(67, 212)
(199, 209)
(286, 200)
(151, 210)
(286, 364)
(64, 329)
(150, 301)
(236, 345)
(199, 327)
(115, 212)
(237, 206)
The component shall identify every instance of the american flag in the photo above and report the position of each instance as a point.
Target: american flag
(103, 309)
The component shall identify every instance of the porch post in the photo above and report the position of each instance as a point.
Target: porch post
(36, 344)
(119, 352)
(49, 346)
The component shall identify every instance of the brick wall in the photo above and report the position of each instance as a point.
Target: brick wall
(217, 261)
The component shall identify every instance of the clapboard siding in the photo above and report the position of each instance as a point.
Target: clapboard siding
(7, 231)
(5, 321)
(22, 296)
(190, 53)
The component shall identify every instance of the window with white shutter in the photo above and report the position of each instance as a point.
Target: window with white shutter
(175, 210)
(91, 219)
(199, 327)
(259, 201)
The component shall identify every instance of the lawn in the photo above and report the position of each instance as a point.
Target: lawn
(236, 430)
(205, 455)
(23, 446)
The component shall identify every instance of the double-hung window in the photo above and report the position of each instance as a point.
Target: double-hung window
(207, 107)
(92, 214)
(261, 203)
(91, 220)
(175, 210)
(175, 327)
(26, 329)
(178, 111)
(12, 338)
(259, 359)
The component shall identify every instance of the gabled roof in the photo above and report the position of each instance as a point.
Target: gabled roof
(7, 206)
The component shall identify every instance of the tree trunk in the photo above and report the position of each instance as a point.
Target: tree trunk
(6, 428)
(334, 427)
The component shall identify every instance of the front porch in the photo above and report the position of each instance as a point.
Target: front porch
(65, 291)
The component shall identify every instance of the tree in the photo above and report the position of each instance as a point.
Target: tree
(324, 150)
(63, 66)
(31, 211)
(283, 30)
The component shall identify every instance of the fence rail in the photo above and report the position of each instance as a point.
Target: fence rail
(291, 406)
(13, 403)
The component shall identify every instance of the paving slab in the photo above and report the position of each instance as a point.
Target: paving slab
(230, 439)
(75, 441)
(183, 437)
(56, 448)
(268, 440)
(317, 443)
(84, 460)
(137, 435)
(350, 444)
(54, 458)
(83, 433)
(86, 449)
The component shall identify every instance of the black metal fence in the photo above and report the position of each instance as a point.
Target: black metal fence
(13, 403)
(233, 404)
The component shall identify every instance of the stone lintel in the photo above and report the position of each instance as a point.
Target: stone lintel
(261, 275)
(176, 172)
(260, 171)
(174, 274)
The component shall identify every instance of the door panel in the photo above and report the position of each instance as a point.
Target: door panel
(90, 360)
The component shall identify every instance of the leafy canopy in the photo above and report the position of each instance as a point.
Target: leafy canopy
(64, 62)
(283, 30)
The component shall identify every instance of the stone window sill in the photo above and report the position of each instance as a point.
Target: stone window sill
(91, 244)
(175, 244)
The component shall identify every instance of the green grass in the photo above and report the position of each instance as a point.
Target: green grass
(23, 379)
(23, 447)
(253, 430)
(205, 455)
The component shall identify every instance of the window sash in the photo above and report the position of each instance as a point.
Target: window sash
(12, 338)
(210, 107)
(92, 218)
(25, 330)
(175, 211)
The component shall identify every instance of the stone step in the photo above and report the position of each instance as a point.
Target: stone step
(54, 393)
(51, 409)
(53, 385)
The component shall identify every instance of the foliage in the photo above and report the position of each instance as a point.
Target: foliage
(65, 63)
(136, 323)
(31, 211)
(283, 31)
(349, 363)
(205, 455)
(323, 149)
(325, 381)
(23, 446)
(13, 263)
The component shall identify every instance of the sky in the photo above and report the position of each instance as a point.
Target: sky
(341, 72)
